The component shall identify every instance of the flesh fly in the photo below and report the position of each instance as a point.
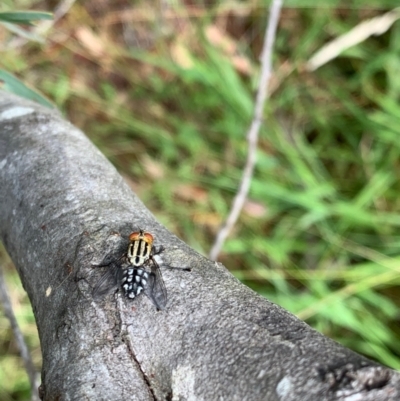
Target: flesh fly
(139, 271)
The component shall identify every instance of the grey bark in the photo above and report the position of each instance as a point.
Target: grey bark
(63, 209)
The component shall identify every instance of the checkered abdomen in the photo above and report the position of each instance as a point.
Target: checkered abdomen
(134, 281)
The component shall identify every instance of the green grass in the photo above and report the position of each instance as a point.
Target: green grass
(170, 110)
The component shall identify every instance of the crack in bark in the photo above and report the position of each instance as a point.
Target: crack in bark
(125, 340)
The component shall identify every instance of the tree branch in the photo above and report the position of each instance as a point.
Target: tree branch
(64, 209)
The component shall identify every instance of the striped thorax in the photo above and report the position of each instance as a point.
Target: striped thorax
(140, 247)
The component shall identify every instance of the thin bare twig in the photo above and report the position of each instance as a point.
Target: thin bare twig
(19, 338)
(252, 134)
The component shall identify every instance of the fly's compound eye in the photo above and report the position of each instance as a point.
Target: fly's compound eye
(148, 238)
(135, 236)
(141, 235)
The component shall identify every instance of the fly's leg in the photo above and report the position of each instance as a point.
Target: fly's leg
(157, 250)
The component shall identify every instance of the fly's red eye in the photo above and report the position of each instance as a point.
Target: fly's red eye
(148, 238)
(138, 235)
(134, 236)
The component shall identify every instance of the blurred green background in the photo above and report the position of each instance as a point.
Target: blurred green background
(166, 91)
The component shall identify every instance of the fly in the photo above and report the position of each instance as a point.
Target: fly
(142, 274)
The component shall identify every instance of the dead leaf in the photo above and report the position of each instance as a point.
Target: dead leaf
(153, 168)
(242, 64)
(212, 220)
(254, 209)
(90, 41)
(361, 32)
(181, 55)
(229, 47)
(220, 39)
(191, 193)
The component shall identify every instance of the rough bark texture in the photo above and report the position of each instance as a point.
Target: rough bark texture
(63, 209)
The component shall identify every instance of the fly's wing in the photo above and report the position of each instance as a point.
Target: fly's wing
(108, 282)
(155, 288)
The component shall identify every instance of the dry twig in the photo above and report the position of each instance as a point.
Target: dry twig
(252, 134)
